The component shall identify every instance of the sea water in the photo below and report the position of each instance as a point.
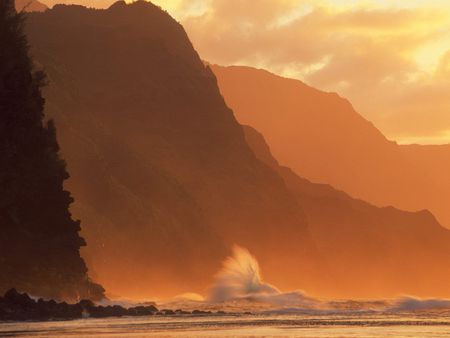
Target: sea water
(423, 324)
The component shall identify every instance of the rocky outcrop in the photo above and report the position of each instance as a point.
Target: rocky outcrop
(15, 306)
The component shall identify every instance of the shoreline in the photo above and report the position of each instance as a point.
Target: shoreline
(20, 307)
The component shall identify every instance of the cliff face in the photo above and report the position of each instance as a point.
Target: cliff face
(370, 251)
(322, 138)
(39, 240)
(161, 172)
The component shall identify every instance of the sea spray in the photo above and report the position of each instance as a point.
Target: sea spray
(240, 278)
(239, 287)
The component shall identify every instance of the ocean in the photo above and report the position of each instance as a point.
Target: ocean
(421, 324)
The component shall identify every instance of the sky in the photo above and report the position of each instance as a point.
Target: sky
(391, 59)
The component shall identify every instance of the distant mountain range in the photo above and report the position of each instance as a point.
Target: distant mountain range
(322, 138)
(165, 179)
(369, 250)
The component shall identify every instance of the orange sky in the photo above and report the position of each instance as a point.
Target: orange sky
(390, 58)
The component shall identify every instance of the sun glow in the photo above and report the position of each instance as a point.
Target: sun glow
(388, 50)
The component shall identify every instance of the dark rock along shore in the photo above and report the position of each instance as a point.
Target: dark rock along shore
(16, 306)
(20, 306)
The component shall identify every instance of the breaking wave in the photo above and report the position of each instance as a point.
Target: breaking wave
(238, 287)
(417, 304)
(240, 281)
(240, 278)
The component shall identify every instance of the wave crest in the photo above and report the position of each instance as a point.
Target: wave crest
(240, 278)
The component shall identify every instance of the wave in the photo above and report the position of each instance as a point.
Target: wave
(240, 281)
(240, 278)
(417, 304)
(239, 287)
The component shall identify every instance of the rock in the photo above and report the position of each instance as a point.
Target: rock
(168, 312)
(18, 299)
(19, 306)
(86, 303)
(143, 310)
(181, 312)
(200, 312)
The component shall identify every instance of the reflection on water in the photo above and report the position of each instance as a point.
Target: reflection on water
(411, 325)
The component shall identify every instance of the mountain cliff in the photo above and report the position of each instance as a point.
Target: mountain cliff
(322, 138)
(161, 172)
(370, 251)
(39, 239)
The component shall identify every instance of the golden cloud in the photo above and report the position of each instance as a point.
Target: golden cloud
(373, 56)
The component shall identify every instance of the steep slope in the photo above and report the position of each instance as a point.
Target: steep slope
(370, 251)
(160, 168)
(321, 137)
(39, 240)
(30, 6)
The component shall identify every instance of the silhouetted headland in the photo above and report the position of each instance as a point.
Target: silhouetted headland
(40, 241)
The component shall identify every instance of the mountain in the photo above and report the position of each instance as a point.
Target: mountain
(432, 159)
(160, 169)
(30, 6)
(39, 240)
(322, 138)
(166, 180)
(370, 251)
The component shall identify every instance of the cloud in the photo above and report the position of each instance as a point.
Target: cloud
(389, 61)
